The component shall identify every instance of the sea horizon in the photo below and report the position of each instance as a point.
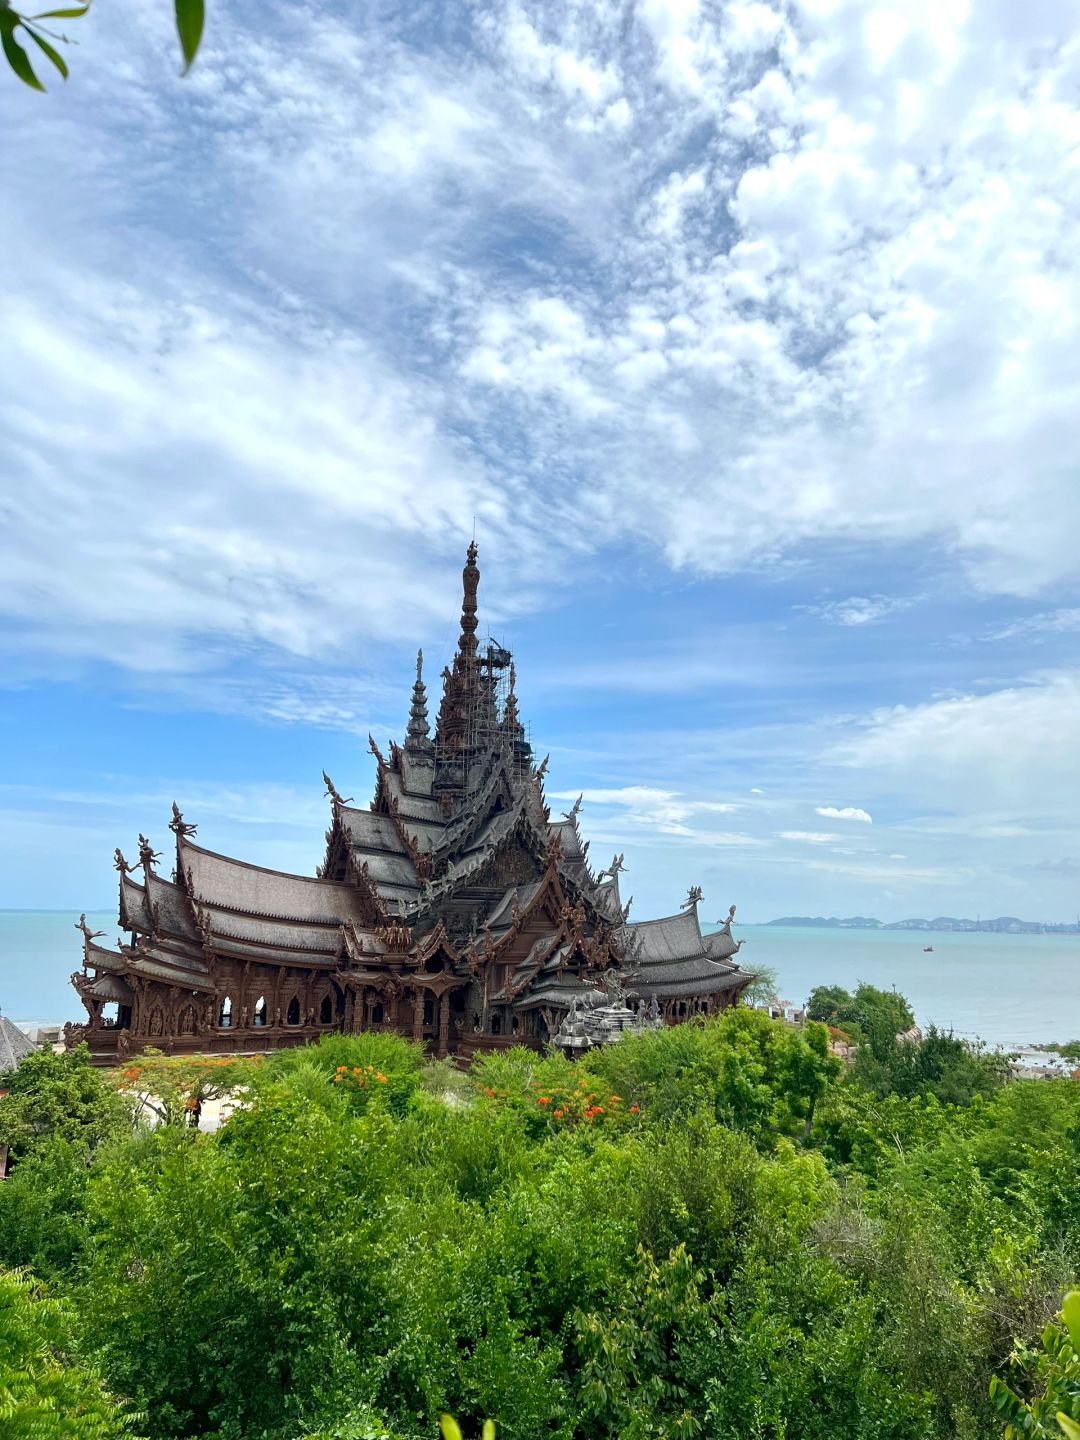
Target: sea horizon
(1012, 991)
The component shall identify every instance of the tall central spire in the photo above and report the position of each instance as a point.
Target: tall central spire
(470, 581)
(457, 712)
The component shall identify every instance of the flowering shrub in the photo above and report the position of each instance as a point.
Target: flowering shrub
(550, 1093)
(369, 1088)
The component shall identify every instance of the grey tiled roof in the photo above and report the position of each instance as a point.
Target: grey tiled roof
(502, 912)
(607, 899)
(369, 831)
(694, 967)
(102, 959)
(672, 989)
(719, 945)
(261, 930)
(172, 905)
(410, 803)
(396, 870)
(14, 1045)
(110, 987)
(234, 885)
(669, 938)
(569, 838)
(134, 910)
(417, 775)
(560, 992)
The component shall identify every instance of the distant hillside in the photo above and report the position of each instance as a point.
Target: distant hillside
(1003, 925)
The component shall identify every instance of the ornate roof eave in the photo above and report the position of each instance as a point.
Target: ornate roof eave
(435, 940)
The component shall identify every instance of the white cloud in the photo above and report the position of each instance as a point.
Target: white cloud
(1063, 621)
(398, 286)
(858, 609)
(808, 837)
(847, 812)
(1011, 750)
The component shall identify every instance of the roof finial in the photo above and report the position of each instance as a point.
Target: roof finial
(178, 825)
(693, 896)
(332, 792)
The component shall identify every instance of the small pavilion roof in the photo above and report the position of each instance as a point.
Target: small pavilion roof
(15, 1045)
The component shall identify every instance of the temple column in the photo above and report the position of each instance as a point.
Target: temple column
(444, 1025)
(418, 1016)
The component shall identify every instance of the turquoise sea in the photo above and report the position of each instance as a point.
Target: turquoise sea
(1005, 989)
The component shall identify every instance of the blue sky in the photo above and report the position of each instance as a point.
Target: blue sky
(746, 334)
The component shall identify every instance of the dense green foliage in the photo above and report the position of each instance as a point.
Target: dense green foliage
(1055, 1411)
(710, 1231)
(43, 1395)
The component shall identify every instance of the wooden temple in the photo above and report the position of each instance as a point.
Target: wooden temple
(453, 910)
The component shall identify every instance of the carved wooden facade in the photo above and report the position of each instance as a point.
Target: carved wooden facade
(452, 910)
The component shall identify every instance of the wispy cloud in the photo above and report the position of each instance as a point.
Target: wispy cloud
(858, 609)
(1064, 621)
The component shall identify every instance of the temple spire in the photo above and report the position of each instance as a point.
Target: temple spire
(512, 727)
(470, 581)
(417, 737)
(511, 720)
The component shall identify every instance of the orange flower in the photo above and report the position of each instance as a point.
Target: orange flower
(490, 1094)
(559, 1114)
(614, 1100)
(381, 1078)
(543, 1099)
(635, 1109)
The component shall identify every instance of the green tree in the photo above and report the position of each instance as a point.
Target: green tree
(762, 988)
(45, 1394)
(59, 1097)
(1055, 1412)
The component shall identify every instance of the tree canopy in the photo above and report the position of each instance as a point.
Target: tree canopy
(714, 1230)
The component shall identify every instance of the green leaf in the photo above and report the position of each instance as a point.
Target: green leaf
(17, 59)
(450, 1428)
(62, 14)
(489, 1430)
(1070, 1427)
(190, 15)
(54, 55)
(1070, 1310)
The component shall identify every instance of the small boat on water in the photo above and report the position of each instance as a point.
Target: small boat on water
(927, 949)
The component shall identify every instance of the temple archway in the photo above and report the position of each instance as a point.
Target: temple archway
(292, 1014)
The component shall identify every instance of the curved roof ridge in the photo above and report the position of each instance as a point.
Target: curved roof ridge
(266, 869)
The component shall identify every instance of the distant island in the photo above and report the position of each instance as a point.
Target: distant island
(1003, 925)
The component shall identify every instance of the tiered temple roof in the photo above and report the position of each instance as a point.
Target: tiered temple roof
(453, 909)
